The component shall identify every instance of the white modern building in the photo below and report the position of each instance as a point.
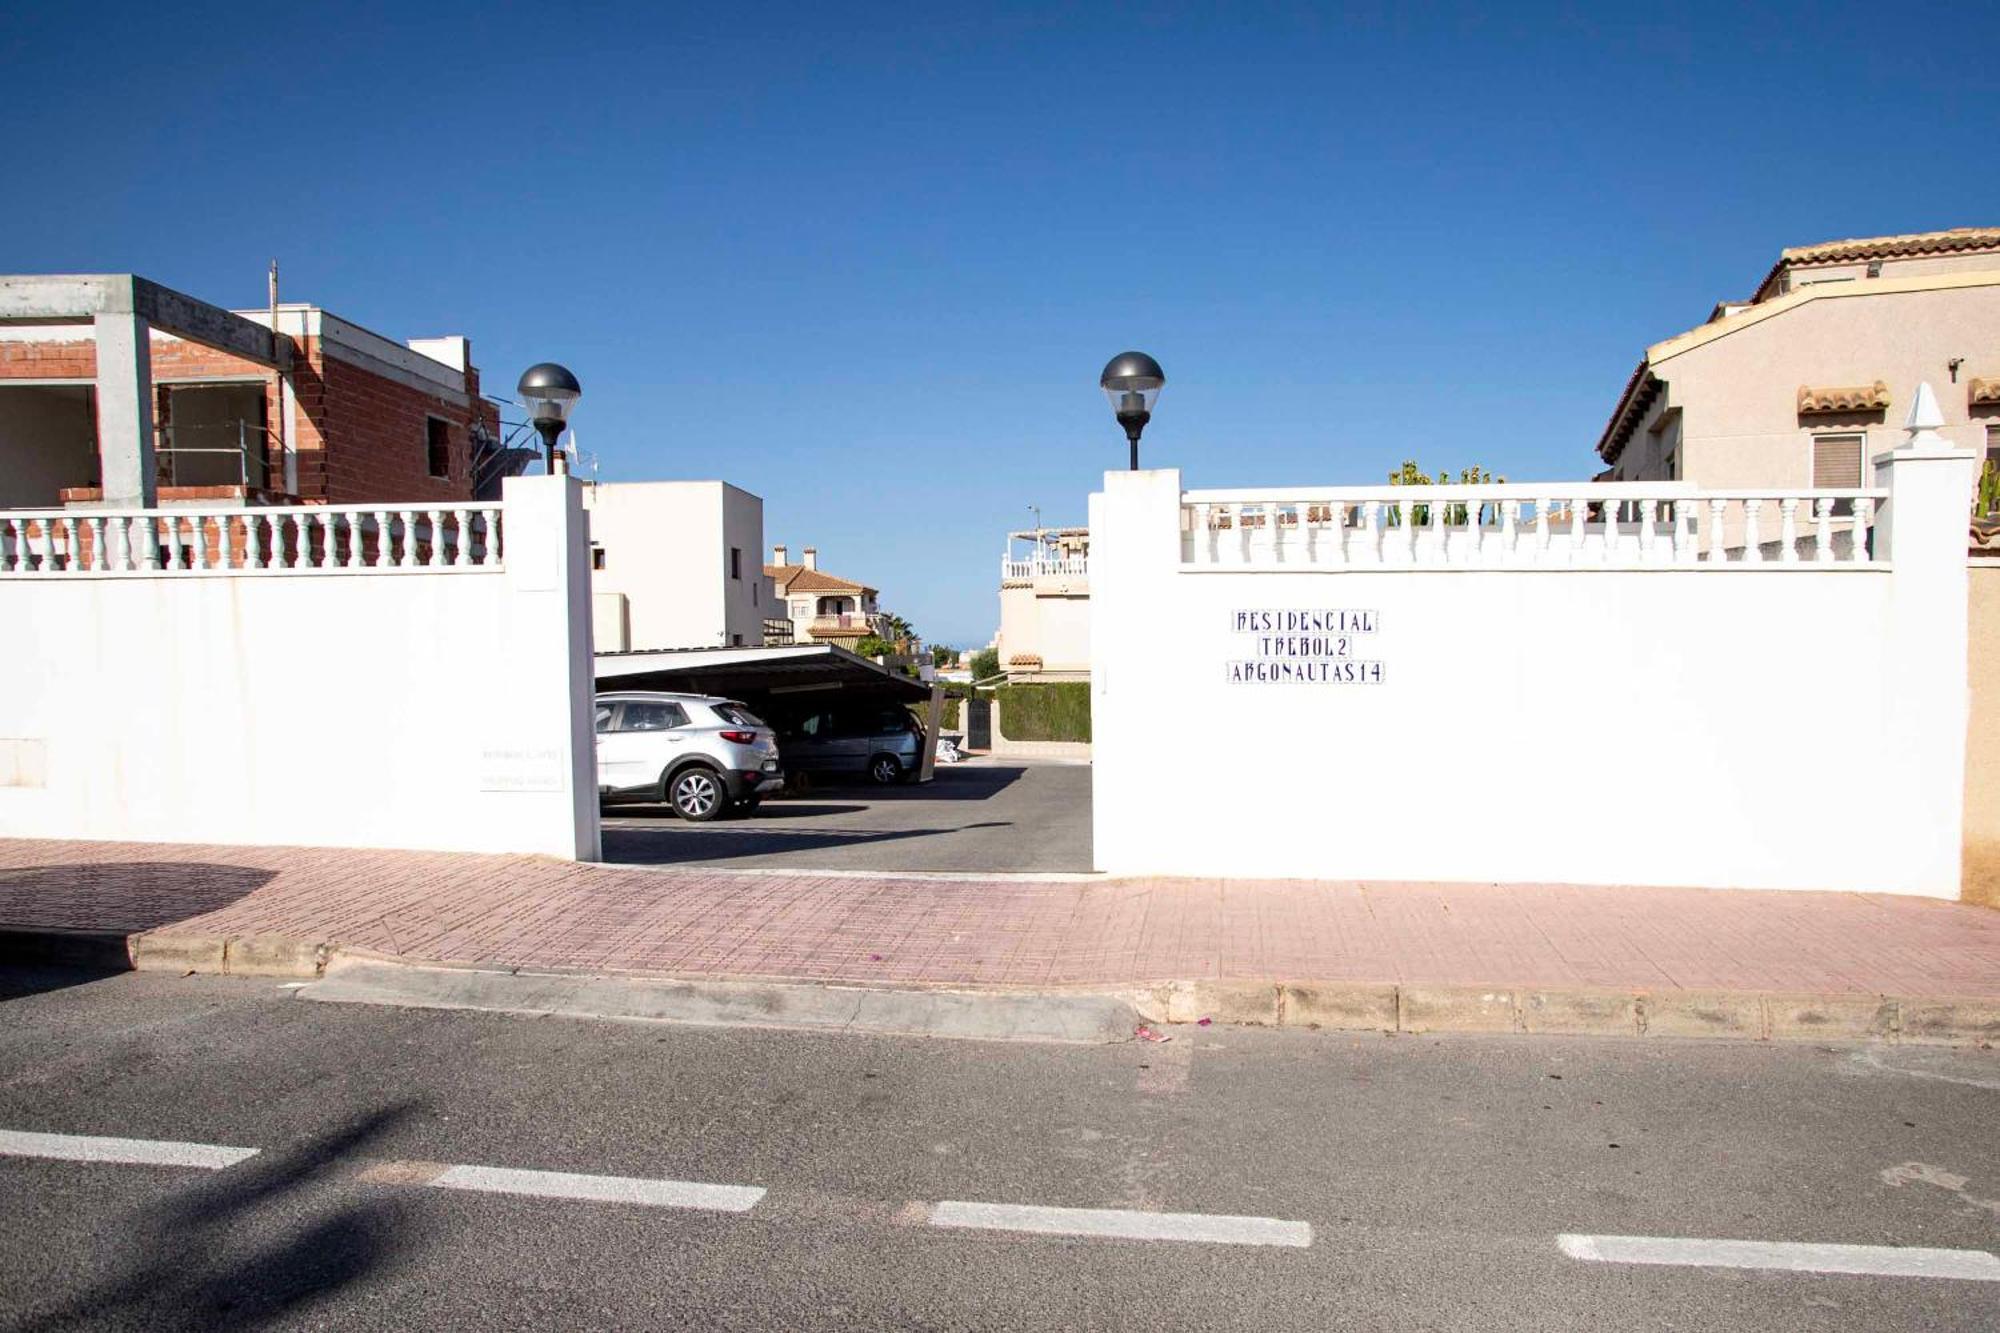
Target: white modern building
(674, 564)
(1045, 605)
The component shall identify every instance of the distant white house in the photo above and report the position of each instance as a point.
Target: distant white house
(1045, 605)
(674, 564)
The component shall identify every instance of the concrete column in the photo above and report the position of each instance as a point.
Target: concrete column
(1921, 532)
(125, 411)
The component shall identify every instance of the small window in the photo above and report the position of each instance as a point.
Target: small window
(1992, 463)
(604, 717)
(596, 557)
(652, 717)
(437, 445)
(1836, 466)
(736, 562)
(1836, 462)
(736, 715)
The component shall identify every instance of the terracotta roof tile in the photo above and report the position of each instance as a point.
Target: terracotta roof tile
(1858, 398)
(1889, 247)
(797, 578)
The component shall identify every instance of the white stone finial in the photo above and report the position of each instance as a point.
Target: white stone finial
(1924, 414)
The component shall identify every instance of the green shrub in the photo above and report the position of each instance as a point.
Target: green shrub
(985, 662)
(1059, 712)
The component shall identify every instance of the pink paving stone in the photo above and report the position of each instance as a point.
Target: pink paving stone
(525, 911)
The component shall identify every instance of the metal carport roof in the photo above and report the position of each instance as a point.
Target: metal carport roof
(793, 669)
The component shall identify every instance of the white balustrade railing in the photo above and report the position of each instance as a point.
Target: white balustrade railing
(302, 539)
(1074, 566)
(1623, 525)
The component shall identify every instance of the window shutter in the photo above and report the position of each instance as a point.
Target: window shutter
(1837, 462)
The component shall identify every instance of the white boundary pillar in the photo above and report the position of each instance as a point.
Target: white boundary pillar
(542, 725)
(1921, 532)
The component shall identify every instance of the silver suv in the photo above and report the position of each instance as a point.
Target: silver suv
(701, 754)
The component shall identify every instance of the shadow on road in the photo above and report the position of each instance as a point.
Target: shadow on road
(247, 1245)
(979, 783)
(675, 843)
(65, 925)
(788, 809)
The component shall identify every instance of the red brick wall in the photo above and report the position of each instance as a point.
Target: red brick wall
(360, 436)
(375, 440)
(49, 361)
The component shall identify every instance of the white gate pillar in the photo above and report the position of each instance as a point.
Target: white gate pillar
(1921, 532)
(544, 720)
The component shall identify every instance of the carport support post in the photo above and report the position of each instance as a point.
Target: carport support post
(933, 719)
(125, 411)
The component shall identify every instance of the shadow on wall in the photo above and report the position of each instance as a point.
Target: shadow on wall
(268, 1238)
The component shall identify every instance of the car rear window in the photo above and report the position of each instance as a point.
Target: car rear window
(736, 715)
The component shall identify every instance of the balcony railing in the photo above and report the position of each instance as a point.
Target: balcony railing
(1576, 526)
(845, 621)
(304, 539)
(1074, 566)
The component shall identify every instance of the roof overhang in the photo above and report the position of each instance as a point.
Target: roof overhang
(802, 669)
(1640, 391)
(56, 297)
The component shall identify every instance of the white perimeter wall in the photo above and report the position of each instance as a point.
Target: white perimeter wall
(1734, 728)
(446, 711)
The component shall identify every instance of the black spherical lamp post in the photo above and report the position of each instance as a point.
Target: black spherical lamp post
(1132, 381)
(550, 392)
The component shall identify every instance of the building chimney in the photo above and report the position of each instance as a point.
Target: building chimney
(811, 557)
(778, 554)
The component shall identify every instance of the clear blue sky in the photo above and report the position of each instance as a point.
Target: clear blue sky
(868, 265)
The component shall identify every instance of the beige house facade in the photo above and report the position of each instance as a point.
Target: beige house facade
(1045, 605)
(822, 607)
(1804, 382)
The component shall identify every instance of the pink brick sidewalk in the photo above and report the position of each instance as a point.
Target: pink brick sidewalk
(519, 911)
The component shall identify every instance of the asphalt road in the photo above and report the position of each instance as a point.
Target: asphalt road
(982, 815)
(1435, 1176)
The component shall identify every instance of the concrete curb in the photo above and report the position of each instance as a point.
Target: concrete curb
(148, 951)
(1342, 1006)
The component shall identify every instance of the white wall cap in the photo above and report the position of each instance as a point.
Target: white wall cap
(1924, 413)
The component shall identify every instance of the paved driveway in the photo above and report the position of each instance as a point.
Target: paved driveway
(982, 815)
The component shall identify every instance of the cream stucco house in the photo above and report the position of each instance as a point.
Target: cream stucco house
(822, 607)
(1807, 379)
(1045, 605)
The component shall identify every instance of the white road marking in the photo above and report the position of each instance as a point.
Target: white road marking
(137, 1152)
(1213, 1229)
(1867, 1260)
(601, 1189)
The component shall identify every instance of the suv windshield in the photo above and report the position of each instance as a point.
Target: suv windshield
(736, 715)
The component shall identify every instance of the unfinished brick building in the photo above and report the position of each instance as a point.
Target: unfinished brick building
(116, 391)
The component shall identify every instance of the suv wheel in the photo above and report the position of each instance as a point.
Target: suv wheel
(697, 794)
(884, 769)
